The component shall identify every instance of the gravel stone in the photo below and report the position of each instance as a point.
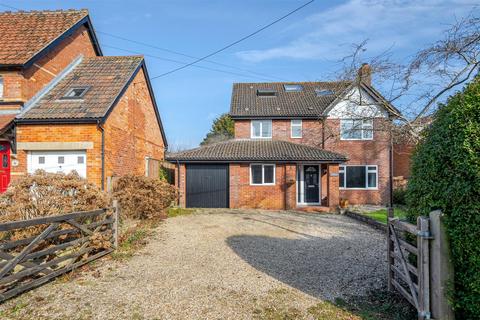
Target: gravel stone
(222, 264)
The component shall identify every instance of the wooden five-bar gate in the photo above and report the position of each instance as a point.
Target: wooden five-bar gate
(418, 264)
(32, 252)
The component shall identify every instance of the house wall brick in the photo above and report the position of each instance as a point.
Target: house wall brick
(281, 130)
(62, 133)
(23, 85)
(275, 197)
(132, 132)
(180, 183)
(402, 155)
(363, 152)
(360, 152)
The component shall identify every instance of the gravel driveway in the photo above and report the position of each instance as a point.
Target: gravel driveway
(222, 264)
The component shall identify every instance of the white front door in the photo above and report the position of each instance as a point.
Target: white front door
(58, 161)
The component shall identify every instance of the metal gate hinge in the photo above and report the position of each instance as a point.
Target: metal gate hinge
(425, 235)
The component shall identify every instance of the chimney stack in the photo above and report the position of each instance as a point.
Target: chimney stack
(365, 74)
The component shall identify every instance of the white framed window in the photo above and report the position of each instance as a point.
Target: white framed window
(296, 128)
(356, 129)
(262, 174)
(261, 129)
(1, 87)
(358, 177)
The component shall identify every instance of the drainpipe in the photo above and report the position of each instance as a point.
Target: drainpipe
(100, 127)
(178, 185)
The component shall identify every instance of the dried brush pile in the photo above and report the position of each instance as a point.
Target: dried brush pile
(144, 198)
(45, 194)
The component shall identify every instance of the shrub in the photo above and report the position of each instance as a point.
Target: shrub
(446, 176)
(142, 197)
(399, 195)
(45, 194)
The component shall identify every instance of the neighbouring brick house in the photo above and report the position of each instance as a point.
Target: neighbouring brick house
(296, 145)
(64, 106)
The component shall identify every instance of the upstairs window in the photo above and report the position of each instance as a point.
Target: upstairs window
(266, 93)
(293, 87)
(261, 129)
(358, 177)
(76, 93)
(1, 87)
(356, 129)
(296, 128)
(262, 174)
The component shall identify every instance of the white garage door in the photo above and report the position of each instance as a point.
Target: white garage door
(58, 161)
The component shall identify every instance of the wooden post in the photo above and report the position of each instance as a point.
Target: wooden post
(116, 216)
(390, 247)
(423, 265)
(441, 268)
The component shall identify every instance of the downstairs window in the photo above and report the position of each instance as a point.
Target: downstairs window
(358, 177)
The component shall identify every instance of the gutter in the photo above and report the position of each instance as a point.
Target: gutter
(100, 127)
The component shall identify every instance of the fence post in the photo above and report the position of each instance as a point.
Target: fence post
(423, 265)
(441, 268)
(116, 215)
(389, 249)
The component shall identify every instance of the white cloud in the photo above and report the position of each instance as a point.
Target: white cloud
(329, 34)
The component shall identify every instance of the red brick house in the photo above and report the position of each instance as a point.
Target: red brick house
(64, 106)
(296, 145)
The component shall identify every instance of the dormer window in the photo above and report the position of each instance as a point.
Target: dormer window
(266, 93)
(323, 92)
(293, 87)
(76, 93)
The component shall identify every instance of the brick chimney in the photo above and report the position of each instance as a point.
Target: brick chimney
(365, 74)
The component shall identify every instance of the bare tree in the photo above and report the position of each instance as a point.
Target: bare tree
(418, 86)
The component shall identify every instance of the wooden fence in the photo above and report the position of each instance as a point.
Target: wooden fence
(418, 264)
(32, 252)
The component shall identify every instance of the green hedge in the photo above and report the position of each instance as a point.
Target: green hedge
(446, 176)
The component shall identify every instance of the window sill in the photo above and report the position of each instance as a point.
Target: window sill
(262, 184)
(366, 189)
(342, 139)
(260, 137)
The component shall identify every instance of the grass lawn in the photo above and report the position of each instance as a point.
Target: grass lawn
(381, 215)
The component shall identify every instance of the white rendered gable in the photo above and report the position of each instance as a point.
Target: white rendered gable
(357, 104)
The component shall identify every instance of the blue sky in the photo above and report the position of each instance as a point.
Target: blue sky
(306, 46)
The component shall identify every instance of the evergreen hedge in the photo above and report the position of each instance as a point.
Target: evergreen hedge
(446, 176)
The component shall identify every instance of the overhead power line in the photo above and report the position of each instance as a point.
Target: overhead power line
(262, 75)
(183, 62)
(235, 42)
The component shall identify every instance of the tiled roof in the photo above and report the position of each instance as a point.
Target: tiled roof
(105, 78)
(5, 120)
(256, 150)
(24, 34)
(306, 103)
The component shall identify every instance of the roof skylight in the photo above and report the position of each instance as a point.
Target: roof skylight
(76, 93)
(293, 87)
(323, 92)
(266, 93)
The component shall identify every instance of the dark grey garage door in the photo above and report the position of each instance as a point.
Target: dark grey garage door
(207, 185)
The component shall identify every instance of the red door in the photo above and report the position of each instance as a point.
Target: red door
(5, 165)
